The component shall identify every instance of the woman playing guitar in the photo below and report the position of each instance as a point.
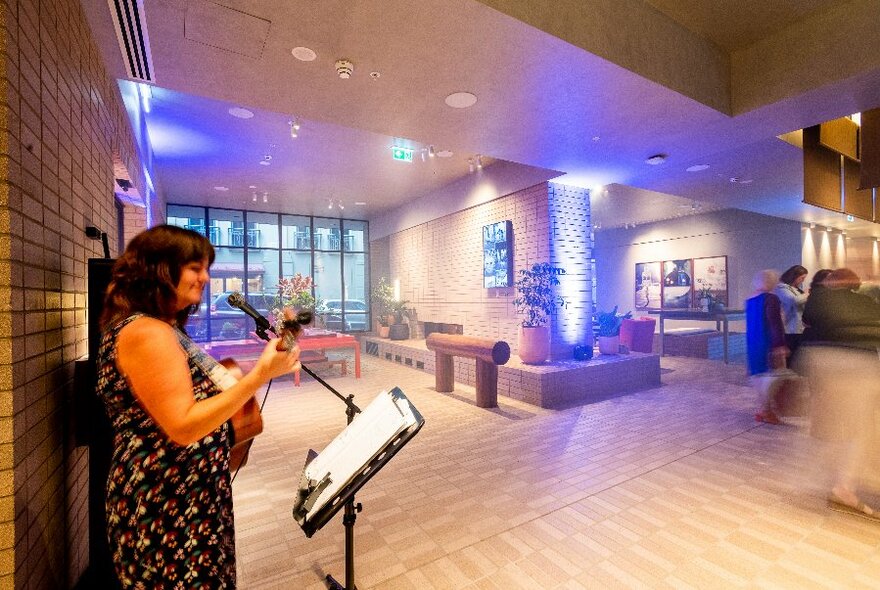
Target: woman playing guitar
(169, 498)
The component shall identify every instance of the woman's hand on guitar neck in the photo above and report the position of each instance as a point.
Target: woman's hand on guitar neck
(276, 361)
(281, 355)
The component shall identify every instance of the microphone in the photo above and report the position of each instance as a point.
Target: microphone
(238, 301)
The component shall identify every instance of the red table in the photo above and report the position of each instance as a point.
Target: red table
(320, 340)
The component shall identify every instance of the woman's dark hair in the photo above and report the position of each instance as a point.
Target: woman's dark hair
(819, 277)
(789, 276)
(144, 279)
(843, 278)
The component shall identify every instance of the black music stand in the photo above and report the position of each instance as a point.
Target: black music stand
(311, 489)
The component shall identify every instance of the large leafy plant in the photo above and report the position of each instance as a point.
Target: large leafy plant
(383, 298)
(536, 297)
(609, 322)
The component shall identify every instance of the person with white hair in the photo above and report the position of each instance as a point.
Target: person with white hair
(765, 336)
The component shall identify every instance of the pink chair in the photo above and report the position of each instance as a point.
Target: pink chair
(638, 335)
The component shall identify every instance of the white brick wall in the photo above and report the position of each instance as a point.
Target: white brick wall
(61, 120)
(440, 263)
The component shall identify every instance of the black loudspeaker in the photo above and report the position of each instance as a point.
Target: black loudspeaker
(92, 427)
(583, 353)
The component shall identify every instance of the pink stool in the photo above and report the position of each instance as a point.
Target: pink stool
(638, 335)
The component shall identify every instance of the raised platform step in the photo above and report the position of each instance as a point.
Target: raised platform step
(700, 343)
(557, 384)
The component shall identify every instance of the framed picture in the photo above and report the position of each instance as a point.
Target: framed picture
(711, 273)
(497, 255)
(648, 285)
(677, 284)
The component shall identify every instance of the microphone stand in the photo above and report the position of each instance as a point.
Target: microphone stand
(351, 508)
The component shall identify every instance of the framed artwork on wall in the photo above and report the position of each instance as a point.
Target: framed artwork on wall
(677, 284)
(711, 273)
(648, 285)
(497, 255)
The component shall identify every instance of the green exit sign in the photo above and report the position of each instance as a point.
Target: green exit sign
(402, 154)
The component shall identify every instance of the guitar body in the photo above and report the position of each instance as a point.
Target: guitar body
(244, 425)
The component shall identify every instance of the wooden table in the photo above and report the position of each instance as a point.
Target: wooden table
(721, 319)
(321, 340)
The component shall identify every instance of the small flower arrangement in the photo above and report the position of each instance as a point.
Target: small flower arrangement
(705, 293)
(296, 293)
(609, 322)
(536, 298)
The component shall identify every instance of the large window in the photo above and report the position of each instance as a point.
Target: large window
(254, 250)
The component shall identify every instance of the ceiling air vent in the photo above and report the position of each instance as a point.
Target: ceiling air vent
(131, 31)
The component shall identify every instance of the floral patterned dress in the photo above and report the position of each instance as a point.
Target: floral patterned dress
(169, 507)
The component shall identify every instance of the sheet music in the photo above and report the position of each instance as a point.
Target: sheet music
(387, 416)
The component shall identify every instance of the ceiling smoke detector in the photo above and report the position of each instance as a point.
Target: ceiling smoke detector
(344, 68)
(656, 159)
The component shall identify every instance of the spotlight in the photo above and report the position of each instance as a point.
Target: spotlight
(471, 164)
(812, 226)
(344, 68)
(255, 196)
(479, 162)
(265, 197)
(431, 153)
(828, 229)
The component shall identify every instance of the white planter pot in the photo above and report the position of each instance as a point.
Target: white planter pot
(534, 344)
(609, 344)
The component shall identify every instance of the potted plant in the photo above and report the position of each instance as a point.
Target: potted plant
(609, 323)
(295, 292)
(399, 330)
(537, 299)
(383, 299)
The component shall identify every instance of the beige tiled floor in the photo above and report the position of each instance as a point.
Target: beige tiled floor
(674, 487)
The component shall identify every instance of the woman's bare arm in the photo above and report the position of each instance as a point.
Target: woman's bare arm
(152, 360)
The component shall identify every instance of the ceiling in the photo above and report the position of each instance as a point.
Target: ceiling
(701, 82)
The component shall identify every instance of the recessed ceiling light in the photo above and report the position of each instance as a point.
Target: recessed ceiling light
(461, 100)
(596, 138)
(360, 202)
(444, 154)
(241, 113)
(656, 159)
(221, 188)
(738, 180)
(697, 168)
(303, 54)
(375, 75)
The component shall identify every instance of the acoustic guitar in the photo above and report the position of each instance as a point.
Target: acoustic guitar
(247, 422)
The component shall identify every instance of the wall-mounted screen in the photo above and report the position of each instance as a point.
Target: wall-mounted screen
(497, 257)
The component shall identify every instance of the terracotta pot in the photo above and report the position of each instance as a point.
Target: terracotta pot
(534, 344)
(609, 344)
(383, 331)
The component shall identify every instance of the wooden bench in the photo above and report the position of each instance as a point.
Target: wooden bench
(314, 357)
(487, 353)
